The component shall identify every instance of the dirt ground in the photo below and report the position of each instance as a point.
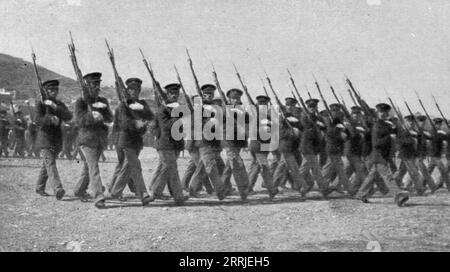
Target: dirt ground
(30, 222)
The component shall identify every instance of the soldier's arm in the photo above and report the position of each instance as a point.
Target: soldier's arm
(107, 113)
(83, 116)
(124, 121)
(146, 113)
(63, 112)
(42, 118)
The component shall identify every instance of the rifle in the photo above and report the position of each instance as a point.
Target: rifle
(160, 96)
(323, 98)
(353, 98)
(426, 113)
(186, 96)
(42, 90)
(278, 102)
(361, 102)
(344, 107)
(439, 109)
(84, 92)
(264, 87)
(398, 113)
(197, 85)
(219, 89)
(302, 103)
(244, 87)
(120, 86)
(309, 94)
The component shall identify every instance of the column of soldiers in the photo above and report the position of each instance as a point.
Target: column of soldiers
(353, 153)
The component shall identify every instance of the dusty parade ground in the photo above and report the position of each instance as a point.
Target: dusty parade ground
(33, 223)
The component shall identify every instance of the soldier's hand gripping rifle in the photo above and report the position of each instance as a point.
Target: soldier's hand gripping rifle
(244, 87)
(186, 96)
(197, 85)
(85, 95)
(42, 90)
(426, 113)
(121, 89)
(156, 86)
(283, 116)
(219, 89)
(442, 115)
(361, 102)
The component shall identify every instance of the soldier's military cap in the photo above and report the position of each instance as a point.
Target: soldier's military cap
(323, 112)
(95, 76)
(311, 103)
(172, 87)
(133, 80)
(409, 117)
(217, 101)
(383, 107)
(356, 109)
(234, 92)
(208, 88)
(262, 98)
(50, 83)
(291, 100)
(335, 107)
(421, 117)
(438, 120)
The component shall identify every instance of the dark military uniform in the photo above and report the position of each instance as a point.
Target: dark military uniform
(4, 131)
(310, 146)
(168, 150)
(130, 143)
(378, 165)
(67, 134)
(32, 132)
(234, 164)
(438, 139)
(49, 140)
(92, 139)
(19, 128)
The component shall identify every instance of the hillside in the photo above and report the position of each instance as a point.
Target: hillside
(18, 74)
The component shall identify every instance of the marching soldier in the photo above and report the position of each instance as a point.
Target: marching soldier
(92, 138)
(310, 143)
(288, 146)
(407, 141)
(130, 141)
(439, 140)
(208, 173)
(260, 163)
(336, 135)
(168, 148)
(354, 150)
(32, 132)
(19, 127)
(382, 141)
(4, 131)
(423, 137)
(234, 164)
(50, 114)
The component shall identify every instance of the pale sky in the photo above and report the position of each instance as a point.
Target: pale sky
(400, 45)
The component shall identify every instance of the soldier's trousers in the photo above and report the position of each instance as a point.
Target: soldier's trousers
(335, 167)
(19, 148)
(235, 166)
(261, 165)
(289, 165)
(199, 176)
(33, 150)
(67, 151)
(167, 173)
(214, 167)
(90, 174)
(130, 171)
(311, 164)
(4, 148)
(357, 168)
(409, 166)
(188, 173)
(437, 162)
(386, 184)
(120, 160)
(427, 178)
(48, 171)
